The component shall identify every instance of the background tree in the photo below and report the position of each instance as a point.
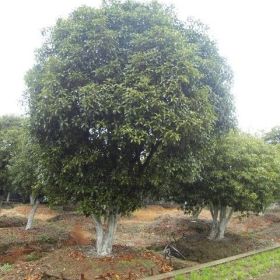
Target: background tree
(273, 136)
(243, 175)
(10, 130)
(25, 172)
(113, 88)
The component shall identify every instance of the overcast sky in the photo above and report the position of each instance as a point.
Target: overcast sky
(247, 33)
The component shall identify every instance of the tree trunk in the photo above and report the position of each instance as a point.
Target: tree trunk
(1, 201)
(32, 199)
(225, 215)
(105, 233)
(8, 197)
(221, 216)
(214, 210)
(32, 214)
(196, 213)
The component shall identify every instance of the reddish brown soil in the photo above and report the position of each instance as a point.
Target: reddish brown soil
(61, 242)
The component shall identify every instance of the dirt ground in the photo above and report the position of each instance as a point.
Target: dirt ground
(271, 275)
(61, 243)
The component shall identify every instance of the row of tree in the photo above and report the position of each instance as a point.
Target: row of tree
(19, 164)
(240, 174)
(128, 103)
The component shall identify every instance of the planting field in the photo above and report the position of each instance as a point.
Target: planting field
(60, 245)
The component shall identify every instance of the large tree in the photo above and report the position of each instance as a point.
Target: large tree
(113, 88)
(242, 175)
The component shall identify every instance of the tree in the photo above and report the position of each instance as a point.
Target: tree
(217, 75)
(25, 173)
(10, 129)
(242, 175)
(273, 136)
(113, 91)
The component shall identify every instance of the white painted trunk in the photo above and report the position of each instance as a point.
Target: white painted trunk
(105, 233)
(221, 231)
(32, 214)
(32, 199)
(214, 231)
(214, 210)
(8, 197)
(196, 213)
(221, 216)
(225, 215)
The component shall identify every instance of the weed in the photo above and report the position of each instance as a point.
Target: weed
(34, 256)
(6, 267)
(44, 238)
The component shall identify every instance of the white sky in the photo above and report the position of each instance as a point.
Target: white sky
(247, 32)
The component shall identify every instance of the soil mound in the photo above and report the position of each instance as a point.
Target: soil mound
(198, 248)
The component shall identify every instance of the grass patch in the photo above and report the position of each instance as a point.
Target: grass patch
(6, 267)
(34, 256)
(243, 269)
(180, 277)
(45, 238)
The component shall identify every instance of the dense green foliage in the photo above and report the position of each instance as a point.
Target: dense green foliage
(217, 75)
(24, 167)
(10, 131)
(116, 88)
(243, 173)
(273, 136)
(246, 174)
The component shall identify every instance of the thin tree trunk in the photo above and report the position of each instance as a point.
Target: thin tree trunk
(196, 213)
(105, 233)
(1, 201)
(32, 199)
(32, 214)
(8, 197)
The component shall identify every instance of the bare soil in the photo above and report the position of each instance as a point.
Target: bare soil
(61, 243)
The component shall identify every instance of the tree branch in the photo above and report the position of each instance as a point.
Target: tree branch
(149, 157)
